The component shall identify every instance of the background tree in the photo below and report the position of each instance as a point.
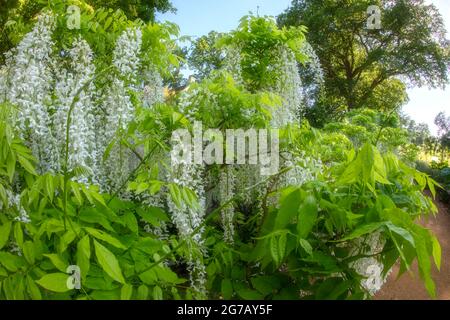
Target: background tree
(419, 132)
(205, 55)
(17, 16)
(443, 123)
(142, 9)
(363, 67)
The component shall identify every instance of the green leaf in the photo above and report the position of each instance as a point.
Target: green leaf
(141, 187)
(288, 209)
(66, 240)
(227, 289)
(26, 165)
(92, 215)
(405, 234)
(105, 237)
(33, 289)
(282, 245)
(130, 221)
(126, 292)
(56, 282)
(11, 166)
(153, 215)
(155, 187)
(142, 292)
(157, 293)
(10, 262)
(108, 262)
(57, 261)
(424, 263)
(248, 294)
(437, 252)
(166, 275)
(273, 243)
(265, 284)
(307, 217)
(5, 230)
(306, 246)
(49, 186)
(76, 192)
(97, 197)
(149, 277)
(3, 195)
(363, 230)
(84, 256)
(28, 252)
(87, 193)
(431, 186)
(278, 247)
(108, 22)
(175, 194)
(18, 234)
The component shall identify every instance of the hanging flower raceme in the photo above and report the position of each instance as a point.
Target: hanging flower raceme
(30, 81)
(119, 108)
(73, 90)
(126, 55)
(188, 218)
(153, 88)
(289, 88)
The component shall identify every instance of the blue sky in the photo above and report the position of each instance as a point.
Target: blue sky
(198, 17)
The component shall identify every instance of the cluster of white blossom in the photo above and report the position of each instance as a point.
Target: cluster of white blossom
(188, 218)
(30, 83)
(14, 202)
(232, 63)
(249, 175)
(370, 268)
(126, 55)
(153, 88)
(119, 109)
(74, 88)
(45, 85)
(3, 83)
(313, 63)
(304, 169)
(313, 76)
(289, 88)
(190, 101)
(119, 112)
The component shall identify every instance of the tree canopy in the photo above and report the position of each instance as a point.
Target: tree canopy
(443, 123)
(370, 68)
(16, 17)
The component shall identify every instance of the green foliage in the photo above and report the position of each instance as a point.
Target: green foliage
(17, 17)
(259, 39)
(362, 67)
(304, 248)
(222, 103)
(100, 234)
(383, 129)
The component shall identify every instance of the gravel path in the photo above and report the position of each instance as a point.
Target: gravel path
(410, 287)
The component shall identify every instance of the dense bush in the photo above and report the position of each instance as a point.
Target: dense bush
(87, 178)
